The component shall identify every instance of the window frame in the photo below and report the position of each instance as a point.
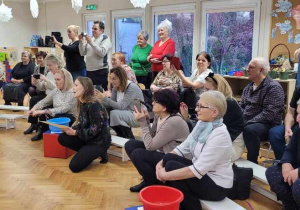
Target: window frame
(175, 9)
(233, 6)
(93, 17)
(128, 13)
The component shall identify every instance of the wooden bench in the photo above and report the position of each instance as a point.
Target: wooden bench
(17, 108)
(10, 120)
(221, 205)
(119, 142)
(259, 173)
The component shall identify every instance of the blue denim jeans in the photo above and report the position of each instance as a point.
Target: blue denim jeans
(277, 140)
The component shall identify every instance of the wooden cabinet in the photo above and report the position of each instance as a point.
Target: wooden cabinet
(239, 83)
(33, 50)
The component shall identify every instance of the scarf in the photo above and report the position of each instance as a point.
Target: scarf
(202, 130)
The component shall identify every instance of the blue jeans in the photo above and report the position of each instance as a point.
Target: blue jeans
(76, 74)
(277, 140)
(253, 134)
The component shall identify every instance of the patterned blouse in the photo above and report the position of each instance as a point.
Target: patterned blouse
(93, 126)
(130, 73)
(62, 102)
(163, 80)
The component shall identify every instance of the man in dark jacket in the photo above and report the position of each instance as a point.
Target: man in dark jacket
(262, 105)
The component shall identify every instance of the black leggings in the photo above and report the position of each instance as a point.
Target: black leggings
(86, 153)
(193, 188)
(144, 160)
(33, 101)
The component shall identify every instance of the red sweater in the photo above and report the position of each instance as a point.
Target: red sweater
(158, 51)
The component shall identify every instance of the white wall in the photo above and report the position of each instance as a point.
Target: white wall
(18, 31)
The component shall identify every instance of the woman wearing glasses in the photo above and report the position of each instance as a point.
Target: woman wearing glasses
(200, 167)
(168, 131)
(166, 78)
(233, 117)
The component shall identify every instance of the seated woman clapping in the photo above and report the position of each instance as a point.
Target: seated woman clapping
(200, 167)
(60, 102)
(166, 78)
(90, 136)
(168, 130)
(121, 103)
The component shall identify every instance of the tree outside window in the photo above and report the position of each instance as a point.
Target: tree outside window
(229, 39)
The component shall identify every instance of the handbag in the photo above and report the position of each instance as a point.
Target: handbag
(241, 183)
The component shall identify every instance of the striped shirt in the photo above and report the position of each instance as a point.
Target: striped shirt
(265, 104)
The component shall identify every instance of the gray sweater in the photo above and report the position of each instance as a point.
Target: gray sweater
(132, 92)
(96, 52)
(170, 133)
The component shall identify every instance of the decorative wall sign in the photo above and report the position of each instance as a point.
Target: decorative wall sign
(290, 37)
(284, 27)
(283, 5)
(297, 39)
(274, 14)
(273, 36)
(289, 13)
(296, 15)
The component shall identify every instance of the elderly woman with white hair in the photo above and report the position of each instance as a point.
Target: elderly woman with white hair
(139, 63)
(200, 167)
(164, 46)
(75, 63)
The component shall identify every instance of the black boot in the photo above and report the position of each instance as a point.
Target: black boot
(33, 127)
(139, 187)
(126, 132)
(104, 158)
(38, 135)
(117, 130)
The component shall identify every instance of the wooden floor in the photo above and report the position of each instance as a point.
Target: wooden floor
(28, 180)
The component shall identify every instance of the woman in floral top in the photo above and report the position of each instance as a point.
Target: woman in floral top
(166, 78)
(90, 135)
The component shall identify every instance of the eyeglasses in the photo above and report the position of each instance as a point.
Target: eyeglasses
(199, 107)
(165, 61)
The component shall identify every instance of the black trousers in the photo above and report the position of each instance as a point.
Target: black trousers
(21, 91)
(193, 188)
(33, 101)
(146, 80)
(253, 134)
(86, 153)
(289, 195)
(99, 77)
(144, 160)
(154, 74)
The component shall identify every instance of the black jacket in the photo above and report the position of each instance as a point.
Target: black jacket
(93, 126)
(292, 151)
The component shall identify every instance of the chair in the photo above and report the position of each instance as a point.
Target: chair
(267, 158)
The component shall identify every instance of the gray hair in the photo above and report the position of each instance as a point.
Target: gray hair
(54, 59)
(216, 100)
(27, 53)
(165, 24)
(298, 102)
(144, 34)
(262, 63)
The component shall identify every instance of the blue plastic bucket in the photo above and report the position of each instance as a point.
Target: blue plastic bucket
(60, 121)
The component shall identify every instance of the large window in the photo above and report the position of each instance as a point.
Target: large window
(229, 39)
(127, 24)
(182, 33)
(230, 34)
